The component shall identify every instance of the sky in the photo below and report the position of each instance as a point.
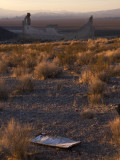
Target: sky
(59, 5)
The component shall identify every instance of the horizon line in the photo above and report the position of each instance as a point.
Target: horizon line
(58, 10)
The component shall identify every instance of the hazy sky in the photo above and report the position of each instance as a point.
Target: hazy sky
(57, 5)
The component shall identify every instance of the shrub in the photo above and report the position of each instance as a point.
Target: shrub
(96, 86)
(20, 71)
(4, 91)
(84, 58)
(56, 61)
(28, 62)
(95, 99)
(25, 85)
(67, 58)
(47, 70)
(115, 129)
(116, 70)
(96, 90)
(43, 56)
(86, 76)
(99, 64)
(14, 140)
(104, 76)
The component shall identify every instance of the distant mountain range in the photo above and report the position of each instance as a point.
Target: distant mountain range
(59, 15)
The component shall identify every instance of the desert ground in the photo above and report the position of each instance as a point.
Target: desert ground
(69, 89)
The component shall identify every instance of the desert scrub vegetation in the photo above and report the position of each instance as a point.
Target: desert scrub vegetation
(115, 130)
(4, 90)
(85, 76)
(47, 69)
(84, 58)
(96, 91)
(97, 55)
(25, 84)
(26, 54)
(20, 71)
(116, 70)
(15, 140)
(96, 60)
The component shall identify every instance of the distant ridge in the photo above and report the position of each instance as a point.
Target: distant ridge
(6, 35)
(60, 14)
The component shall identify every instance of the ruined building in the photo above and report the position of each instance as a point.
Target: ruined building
(50, 33)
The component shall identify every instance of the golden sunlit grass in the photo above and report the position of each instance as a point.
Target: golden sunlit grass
(93, 58)
(104, 76)
(96, 86)
(15, 140)
(85, 76)
(96, 90)
(116, 70)
(20, 71)
(95, 99)
(47, 70)
(115, 129)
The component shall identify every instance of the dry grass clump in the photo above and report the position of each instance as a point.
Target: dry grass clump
(14, 140)
(84, 58)
(96, 86)
(3, 68)
(4, 91)
(116, 70)
(113, 54)
(85, 76)
(68, 54)
(13, 58)
(56, 61)
(67, 59)
(96, 91)
(104, 75)
(115, 129)
(87, 114)
(99, 64)
(47, 70)
(25, 85)
(95, 99)
(28, 62)
(20, 71)
(43, 56)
